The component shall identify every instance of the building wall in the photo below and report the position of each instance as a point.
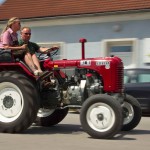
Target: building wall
(93, 32)
(100, 31)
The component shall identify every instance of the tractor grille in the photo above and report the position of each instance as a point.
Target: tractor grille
(120, 73)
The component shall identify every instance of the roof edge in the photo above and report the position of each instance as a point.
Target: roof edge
(84, 15)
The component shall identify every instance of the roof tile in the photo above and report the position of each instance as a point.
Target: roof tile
(54, 8)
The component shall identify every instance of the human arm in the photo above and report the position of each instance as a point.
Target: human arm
(39, 49)
(46, 50)
(24, 46)
(43, 49)
(11, 41)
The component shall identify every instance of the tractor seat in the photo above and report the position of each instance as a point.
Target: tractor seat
(6, 56)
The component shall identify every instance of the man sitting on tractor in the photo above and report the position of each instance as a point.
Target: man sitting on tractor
(33, 47)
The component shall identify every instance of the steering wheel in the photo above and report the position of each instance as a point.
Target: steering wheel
(50, 52)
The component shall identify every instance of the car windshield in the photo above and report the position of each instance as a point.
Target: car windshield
(137, 77)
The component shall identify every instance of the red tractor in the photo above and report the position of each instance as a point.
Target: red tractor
(93, 85)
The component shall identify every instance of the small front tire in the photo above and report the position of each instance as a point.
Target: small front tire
(101, 116)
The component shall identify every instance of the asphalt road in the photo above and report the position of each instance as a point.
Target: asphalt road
(68, 135)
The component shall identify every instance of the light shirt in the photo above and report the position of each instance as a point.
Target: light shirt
(8, 38)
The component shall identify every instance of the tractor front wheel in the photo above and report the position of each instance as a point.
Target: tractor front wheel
(101, 116)
(131, 112)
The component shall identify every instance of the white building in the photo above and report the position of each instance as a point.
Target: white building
(112, 27)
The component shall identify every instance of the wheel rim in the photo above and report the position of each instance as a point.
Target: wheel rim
(128, 113)
(100, 117)
(11, 102)
(45, 112)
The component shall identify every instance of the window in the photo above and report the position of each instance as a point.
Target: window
(115, 49)
(144, 78)
(137, 77)
(126, 49)
(126, 79)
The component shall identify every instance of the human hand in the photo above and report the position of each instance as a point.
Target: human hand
(24, 46)
(54, 47)
(6, 47)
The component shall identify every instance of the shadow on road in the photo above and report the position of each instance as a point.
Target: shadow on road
(123, 135)
(77, 129)
(60, 128)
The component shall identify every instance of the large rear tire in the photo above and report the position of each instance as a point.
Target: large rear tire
(132, 113)
(18, 102)
(50, 117)
(101, 116)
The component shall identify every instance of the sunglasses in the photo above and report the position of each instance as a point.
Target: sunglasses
(27, 33)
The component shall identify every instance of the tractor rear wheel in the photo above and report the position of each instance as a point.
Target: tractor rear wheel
(101, 116)
(18, 102)
(50, 117)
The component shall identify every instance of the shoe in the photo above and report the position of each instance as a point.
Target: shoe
(36, 72)
(39, 73)
(43, 75)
